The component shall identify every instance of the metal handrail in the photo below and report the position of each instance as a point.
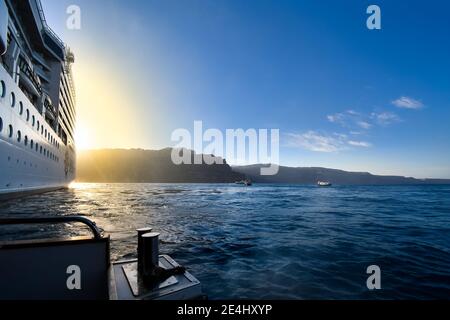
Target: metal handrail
(60, 42)
(27, 71)
(52, 220)
(46, 27)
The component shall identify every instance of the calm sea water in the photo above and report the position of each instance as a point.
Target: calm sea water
(273, 241)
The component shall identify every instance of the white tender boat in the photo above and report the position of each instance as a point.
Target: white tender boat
(246, 182)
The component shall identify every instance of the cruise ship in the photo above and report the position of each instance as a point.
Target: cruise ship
(37, 103)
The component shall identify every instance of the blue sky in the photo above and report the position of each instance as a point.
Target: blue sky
(342, 96)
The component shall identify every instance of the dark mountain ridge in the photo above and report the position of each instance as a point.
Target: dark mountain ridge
(141, 166)
(136, 165)
(313, 175)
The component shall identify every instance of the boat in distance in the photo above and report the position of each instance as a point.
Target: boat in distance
(246, 182)
(37, 103)
(324, 184)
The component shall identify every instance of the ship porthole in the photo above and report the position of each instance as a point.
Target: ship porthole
(20, 108)
(2, 89)
(33, 119)
(28, 114)
(10, 131)
(31, 143)
(1, 124)
(38, 125)
(13, 100)
(26, 141)
(19, 136)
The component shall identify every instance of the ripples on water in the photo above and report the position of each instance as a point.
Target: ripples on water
(273, 241)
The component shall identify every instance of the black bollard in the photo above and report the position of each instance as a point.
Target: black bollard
(140, 247)
(150, 244)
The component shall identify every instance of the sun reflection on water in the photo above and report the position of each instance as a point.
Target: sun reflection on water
(82, 186)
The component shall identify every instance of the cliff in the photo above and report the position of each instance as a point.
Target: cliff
(312, 175)
(118, 165)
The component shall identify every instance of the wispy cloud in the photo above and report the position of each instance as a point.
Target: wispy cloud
(350, 119)
(364, 124)
(314, 141)
(357, 121)
(320, 142)
(407, 103)
(362, 144)
(385, 118)
(334, 118)
(358, 125)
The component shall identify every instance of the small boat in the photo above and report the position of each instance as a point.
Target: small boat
(324, 184)
(246, 182)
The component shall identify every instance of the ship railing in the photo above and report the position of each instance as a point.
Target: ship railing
(46, 27)
(55, 37)
(47, 268)
(53, 220)
(68, 72)
(50, 109)
(25, 68)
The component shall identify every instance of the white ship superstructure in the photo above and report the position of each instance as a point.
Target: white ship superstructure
(37, 103)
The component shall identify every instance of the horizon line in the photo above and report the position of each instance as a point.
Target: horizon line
(256, 164)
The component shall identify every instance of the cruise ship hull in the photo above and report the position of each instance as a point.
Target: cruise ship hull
(37, 103)
(25, 169)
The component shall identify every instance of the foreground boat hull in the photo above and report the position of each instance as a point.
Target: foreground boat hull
(80, 268)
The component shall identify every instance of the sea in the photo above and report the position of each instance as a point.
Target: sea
(270, 241)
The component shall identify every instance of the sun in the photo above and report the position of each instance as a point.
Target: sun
(82, 140)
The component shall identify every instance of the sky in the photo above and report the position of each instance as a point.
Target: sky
(342, 96)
